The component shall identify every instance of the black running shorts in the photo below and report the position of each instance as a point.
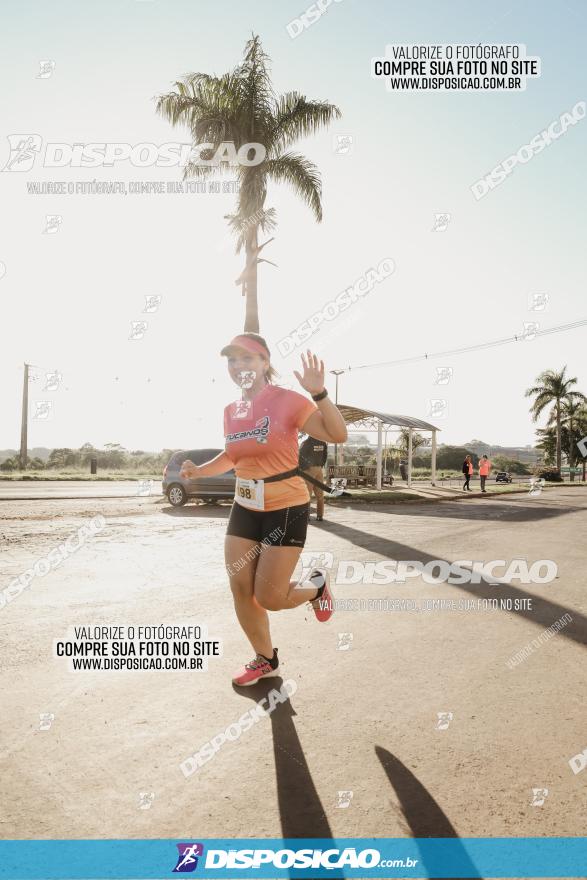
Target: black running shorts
(286, 527)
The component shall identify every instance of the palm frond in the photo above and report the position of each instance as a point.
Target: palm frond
(178, 107)
(296, 117)
(194, 169)
(543, 400)
(255, 75)
(241, 225)
(302, 175)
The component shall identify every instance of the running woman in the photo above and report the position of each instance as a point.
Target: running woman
(269, 519)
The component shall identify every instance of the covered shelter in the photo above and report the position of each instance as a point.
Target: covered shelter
(369, 420)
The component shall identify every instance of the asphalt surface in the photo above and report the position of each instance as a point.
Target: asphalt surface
(414, 711)
(72, 489)
(47, 489)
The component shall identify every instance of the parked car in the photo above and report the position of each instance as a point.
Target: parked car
(503, 477)
(179, 490)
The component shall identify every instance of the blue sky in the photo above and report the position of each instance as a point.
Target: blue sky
(68, 299)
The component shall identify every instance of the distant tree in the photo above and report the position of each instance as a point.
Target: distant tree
(64, 457)
(357, 454)
(451, 458)
(403, 441)
(115, 456)
(10, 464)
(512, 465)
(357, 440)
(86, 452)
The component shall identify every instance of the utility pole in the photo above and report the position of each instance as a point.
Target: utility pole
(24, 422)
(336, 373)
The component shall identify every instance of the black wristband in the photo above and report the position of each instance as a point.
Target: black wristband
(320, 396)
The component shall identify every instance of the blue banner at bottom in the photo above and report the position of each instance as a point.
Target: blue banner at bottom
(377, 857)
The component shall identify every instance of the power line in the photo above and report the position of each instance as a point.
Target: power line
(480, 346)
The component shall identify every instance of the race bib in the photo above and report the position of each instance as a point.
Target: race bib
(250, 493)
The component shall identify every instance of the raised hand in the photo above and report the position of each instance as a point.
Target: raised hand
(313, 379)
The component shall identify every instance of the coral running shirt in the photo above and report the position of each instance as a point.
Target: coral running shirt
(261, 439)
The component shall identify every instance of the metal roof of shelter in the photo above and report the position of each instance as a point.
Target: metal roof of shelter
(368, 418)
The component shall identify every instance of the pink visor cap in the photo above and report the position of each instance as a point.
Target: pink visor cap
(239, 342)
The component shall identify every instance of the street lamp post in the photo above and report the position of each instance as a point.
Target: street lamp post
(24, 419)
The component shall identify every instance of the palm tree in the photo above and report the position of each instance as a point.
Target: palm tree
(241, 107)
(581, 427)
(553, 388)
(403, 441)
(547, 444)
(574, 418)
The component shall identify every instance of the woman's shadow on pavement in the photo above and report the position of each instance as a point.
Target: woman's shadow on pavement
(300, 808)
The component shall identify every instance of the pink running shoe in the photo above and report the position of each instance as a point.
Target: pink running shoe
(257, 669)
(323, 605)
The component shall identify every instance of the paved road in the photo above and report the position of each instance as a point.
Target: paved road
(47, 489)
(413, 711)
(42, 489)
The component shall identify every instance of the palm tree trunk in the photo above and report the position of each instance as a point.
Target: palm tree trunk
(251, 303)
(571, 452)
(558, 436)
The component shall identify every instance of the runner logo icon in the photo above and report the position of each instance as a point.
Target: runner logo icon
(187, 860)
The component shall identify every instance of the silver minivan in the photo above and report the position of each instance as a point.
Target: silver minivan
(179, 490)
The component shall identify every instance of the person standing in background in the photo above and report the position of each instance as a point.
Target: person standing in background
(484, 469)
(468, 472)
(313, 455)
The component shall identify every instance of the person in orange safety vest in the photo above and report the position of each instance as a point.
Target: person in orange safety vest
(484, 468)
